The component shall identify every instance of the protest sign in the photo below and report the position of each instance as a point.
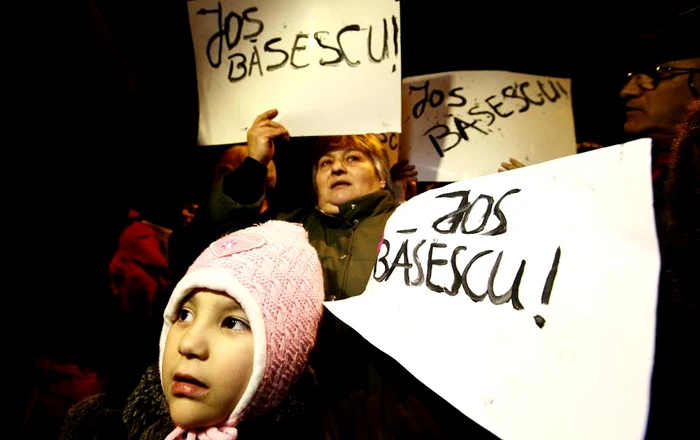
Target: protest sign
(526, 299)
(329, 66)
(460, 125)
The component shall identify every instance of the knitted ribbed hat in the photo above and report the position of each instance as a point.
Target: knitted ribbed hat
(275, 275)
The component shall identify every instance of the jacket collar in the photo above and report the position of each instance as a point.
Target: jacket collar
(361, 208)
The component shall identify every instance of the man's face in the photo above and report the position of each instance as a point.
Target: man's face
(655, 113)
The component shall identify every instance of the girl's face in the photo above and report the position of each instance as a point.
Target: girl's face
(207, 360)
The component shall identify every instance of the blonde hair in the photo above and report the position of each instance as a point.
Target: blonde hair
(366, 143)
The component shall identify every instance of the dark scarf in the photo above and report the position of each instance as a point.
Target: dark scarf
(145, 416)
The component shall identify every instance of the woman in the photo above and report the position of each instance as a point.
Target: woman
(366, 391)
(352, 182)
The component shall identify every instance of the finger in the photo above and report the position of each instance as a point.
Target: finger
(516, 162)
(405, 165)
(281, 129)
(411, 189)
(266, 127)
(405, 177)
(506, 165)
(266, 115)
(398, 165)
(273, 133)
(271, 123)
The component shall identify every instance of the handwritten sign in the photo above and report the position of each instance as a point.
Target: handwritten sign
(329, 66)
(390, 142)
(526, 299)
(460, 125)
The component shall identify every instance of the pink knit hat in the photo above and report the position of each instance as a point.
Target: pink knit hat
(275, 275)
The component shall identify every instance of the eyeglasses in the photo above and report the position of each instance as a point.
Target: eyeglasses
(650, 80)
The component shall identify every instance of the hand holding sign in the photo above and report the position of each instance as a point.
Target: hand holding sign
(261, 136)
(510, 165)
(404, 177)
(460, 125)
(299, 55)
(583, 147)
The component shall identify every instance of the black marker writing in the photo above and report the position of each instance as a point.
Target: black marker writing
(511, 100)
(539, 321)
(391, 140)
(385, 47)
(459, 217)
(238, 34)
(549, 284)
(298, 47)
(224, 31)
(285, 56)
(339, 55)
(437, 253)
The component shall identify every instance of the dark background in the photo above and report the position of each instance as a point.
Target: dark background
(145, 46)
(110, 122)
(585, 41)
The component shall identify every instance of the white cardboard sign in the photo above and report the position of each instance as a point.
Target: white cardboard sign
(460, 125)
(526, 299)
(329, 66)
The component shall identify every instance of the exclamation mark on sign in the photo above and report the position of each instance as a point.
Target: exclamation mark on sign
(548, 285)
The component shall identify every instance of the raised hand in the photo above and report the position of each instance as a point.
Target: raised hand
(510, 165)
(404, 177)
(262, 134)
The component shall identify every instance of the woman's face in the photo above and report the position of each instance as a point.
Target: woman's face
(343, 175)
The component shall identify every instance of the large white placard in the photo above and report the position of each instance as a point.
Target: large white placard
(329, 66)
(526, 299)
(460, 125)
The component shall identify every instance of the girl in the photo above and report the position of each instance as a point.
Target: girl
(236, 338)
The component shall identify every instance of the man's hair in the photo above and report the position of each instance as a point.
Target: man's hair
(677, 38)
